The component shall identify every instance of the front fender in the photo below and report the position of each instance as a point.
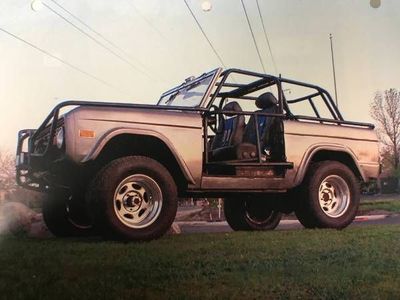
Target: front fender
(108, 135)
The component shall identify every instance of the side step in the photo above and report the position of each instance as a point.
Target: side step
(249, 169)
(210, 182)
(285, 165)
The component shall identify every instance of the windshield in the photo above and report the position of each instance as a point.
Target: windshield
(189, 94)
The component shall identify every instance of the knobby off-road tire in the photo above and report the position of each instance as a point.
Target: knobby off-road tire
(330, 196)
(65, 215)
(250, 214)
(301, 208)
(303, 217)
(133, 198)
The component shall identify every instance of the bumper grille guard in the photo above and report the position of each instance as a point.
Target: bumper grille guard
(22, 163)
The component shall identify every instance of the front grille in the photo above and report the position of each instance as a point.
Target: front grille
(40, 144)
(42, 139)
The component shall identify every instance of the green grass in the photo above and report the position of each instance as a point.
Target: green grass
(388, 205)
(319, 264)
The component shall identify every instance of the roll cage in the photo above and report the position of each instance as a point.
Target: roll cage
(223, 85)
(226, 87)
(233, 91)
(263, 81)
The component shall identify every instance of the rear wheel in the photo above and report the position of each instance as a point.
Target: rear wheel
(133, 198)
(304, 218)
(65, 215)
(330, 196)
(250, 214)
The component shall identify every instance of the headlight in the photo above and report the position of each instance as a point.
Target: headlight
(60, 138)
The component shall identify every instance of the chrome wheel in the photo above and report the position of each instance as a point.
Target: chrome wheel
(258, 214)
(334, 196)
(138, 201)
(78, 220)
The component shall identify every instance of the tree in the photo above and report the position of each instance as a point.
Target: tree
(8, 186)
(7, 172)
(385, 109)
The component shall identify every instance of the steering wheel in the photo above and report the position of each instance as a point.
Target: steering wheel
(214, 117)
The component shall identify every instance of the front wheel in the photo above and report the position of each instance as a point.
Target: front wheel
(65, 215)
(133, 198)
(330, 196)
(250, 214)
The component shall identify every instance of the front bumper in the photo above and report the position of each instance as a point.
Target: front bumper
(28, 165)
(39, 171)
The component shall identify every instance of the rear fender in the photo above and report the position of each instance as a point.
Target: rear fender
(315, 149)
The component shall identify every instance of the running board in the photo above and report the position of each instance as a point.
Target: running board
(242, 183)
(235, 163)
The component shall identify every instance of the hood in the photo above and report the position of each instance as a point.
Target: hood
(137, 114)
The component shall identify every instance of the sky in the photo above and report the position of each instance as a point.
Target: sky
(152, 45)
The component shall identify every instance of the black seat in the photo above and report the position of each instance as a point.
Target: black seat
(229, 134)
(248, 150)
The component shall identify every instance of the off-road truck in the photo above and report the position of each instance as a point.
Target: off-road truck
(266, 144)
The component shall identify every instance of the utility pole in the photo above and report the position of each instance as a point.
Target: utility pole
(333, 69)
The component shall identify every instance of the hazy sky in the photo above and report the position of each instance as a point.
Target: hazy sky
(160, 38)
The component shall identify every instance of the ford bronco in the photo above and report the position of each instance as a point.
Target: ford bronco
(266, 144)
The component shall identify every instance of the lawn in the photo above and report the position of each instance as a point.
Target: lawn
(390, 203)
(392, 206)
(326, 264)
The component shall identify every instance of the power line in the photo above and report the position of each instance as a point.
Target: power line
(96, 32)
(88, 26)
(96, 41)
(172, 53)
(266, 38)
(108, 40)
(205, 35)
(61, 60)
(147, 21)
(252, 34)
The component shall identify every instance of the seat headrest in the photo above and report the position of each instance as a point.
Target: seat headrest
(266, 100)
(232, 106)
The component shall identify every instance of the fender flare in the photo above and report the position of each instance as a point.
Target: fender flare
(108, 135)
(313, 149)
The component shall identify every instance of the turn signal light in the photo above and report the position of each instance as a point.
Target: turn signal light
(86, 133)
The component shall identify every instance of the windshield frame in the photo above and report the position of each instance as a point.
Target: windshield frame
(214, 74)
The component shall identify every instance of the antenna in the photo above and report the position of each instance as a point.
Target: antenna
(333, 68)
